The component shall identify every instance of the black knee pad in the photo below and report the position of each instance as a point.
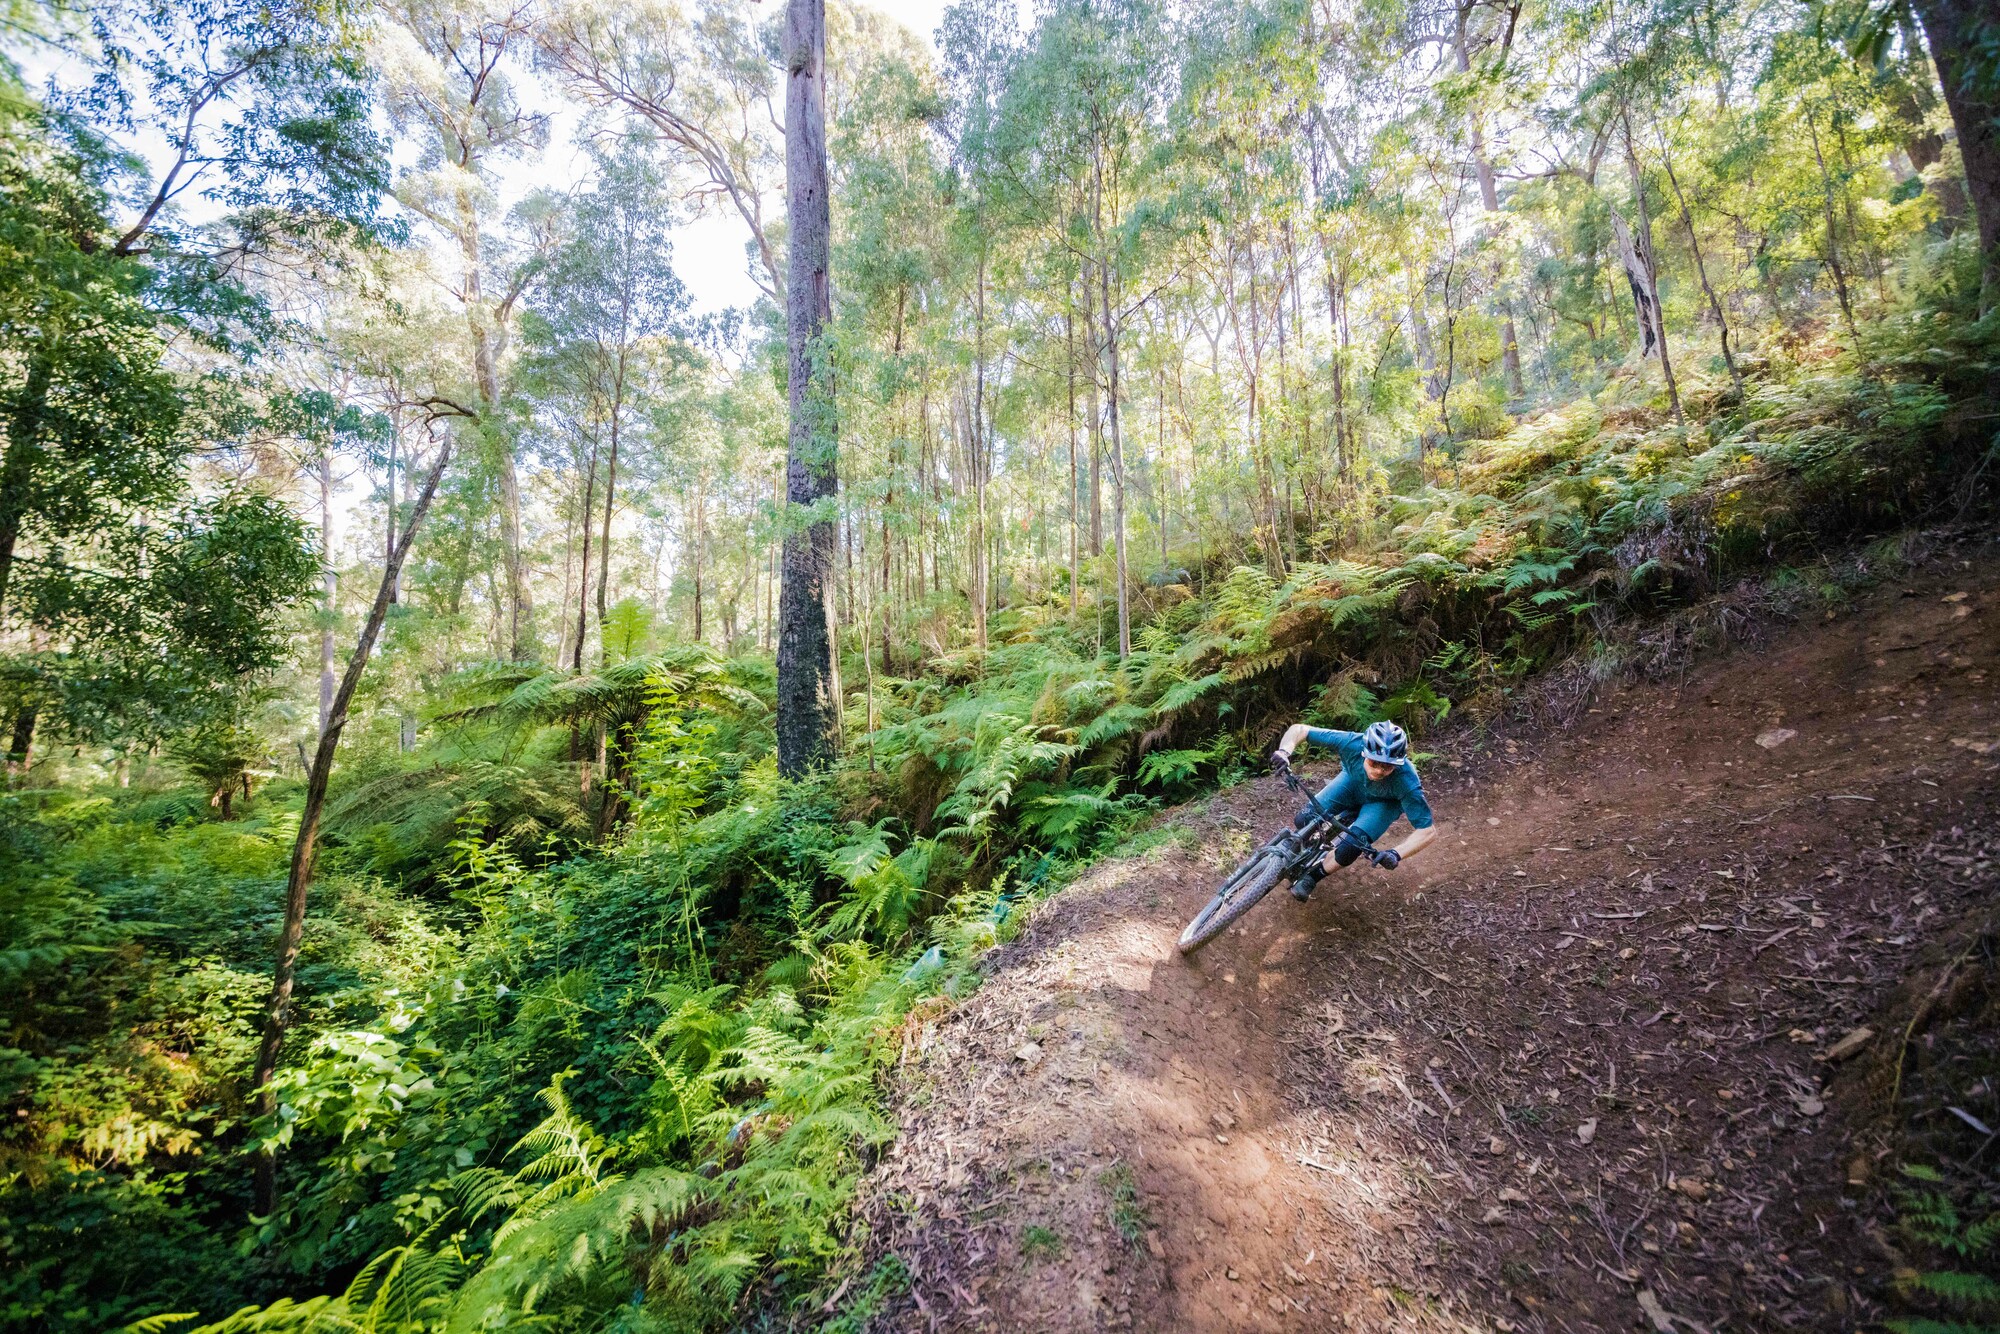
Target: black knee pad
(1347, 849)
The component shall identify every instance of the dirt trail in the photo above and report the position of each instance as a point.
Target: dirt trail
(1575, 1052)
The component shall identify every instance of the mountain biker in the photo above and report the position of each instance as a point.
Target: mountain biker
(1377, 786)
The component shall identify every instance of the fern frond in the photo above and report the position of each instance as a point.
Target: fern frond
(158, 1324)
(1187, 693)
(572, 1242)
(1244, 669)
(1971, 1291)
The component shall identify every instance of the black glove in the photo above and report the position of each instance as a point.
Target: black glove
(1388, 859)
(1281, 763)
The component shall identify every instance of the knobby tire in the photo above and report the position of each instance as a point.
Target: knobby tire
(1238, 895)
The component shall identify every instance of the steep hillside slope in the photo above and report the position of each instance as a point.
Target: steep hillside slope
(1575, 1056)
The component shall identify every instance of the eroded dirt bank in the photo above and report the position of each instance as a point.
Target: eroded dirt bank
(1575, 1055)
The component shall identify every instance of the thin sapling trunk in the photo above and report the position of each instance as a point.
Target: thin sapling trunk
(305, 848)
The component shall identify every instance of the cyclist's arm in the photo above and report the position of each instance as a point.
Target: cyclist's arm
(1418, 840)
(1295, 736)
(1299, 733)
(1423, 825)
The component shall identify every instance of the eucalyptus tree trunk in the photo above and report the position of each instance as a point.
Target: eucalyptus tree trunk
(1420, 329)
(1335, 321)
(981, 571)
(305, 847)
(1643, 242)
(808, 698)
(329, 590)
(1832, 233)
(1116, 440)
(486, 380)
(1701, 267)
(389, 527)
(24, 452)
(1093, 414)
(1489, 197)
(888, 663)
(700, 550)
(585, 515)
(1636, 244)
(17, 477)
(1075, 479)
(610, 493)
(604, 546)
(1957, 31)
(1262, 456)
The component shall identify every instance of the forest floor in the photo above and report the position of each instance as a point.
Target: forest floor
(1584, 1065)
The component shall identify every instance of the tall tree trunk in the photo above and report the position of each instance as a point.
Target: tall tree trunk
(808, 702)
(1162, 475)
(1262, 454)
(486, 378)
(17, 469)
(976, 458)
(1910, 93)
(1339, 359)
(329, 590)
(1700, 266)
(1420, 329)
(1958, 31)
(1489, 196)
(1075, 478)
(389, 528)
(305, 848)
(1832, 239)
(22, 741)
(1094, 420)
(772, 573)
(610, 500)
(1250, 355)
(700, 552)
(1117, 445)
(882, 612)
(570, 524)
(587, 513)
(845, 541)
(1645, 272)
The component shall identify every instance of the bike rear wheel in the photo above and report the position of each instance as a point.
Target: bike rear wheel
(1251, 882)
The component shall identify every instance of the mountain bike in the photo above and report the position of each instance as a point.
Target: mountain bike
(1289, 854)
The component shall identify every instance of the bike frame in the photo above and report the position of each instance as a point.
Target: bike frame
(1308, 843)
(1297, 849)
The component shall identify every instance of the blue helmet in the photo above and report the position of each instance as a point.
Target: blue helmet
(1385, 743)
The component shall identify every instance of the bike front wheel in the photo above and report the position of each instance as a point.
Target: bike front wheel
(1251, 882)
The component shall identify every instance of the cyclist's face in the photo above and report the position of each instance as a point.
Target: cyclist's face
(1378, 770)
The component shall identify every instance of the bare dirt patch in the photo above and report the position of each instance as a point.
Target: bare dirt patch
(1593, 1062)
